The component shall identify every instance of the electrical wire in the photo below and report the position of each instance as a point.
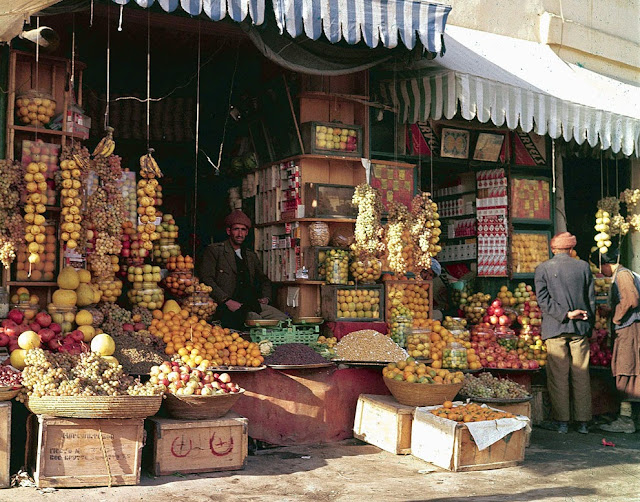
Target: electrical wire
(197, 146)
(106, 110)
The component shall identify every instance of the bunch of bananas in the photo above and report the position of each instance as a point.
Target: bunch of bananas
(106, 146)
(34, 208)
(148, 166)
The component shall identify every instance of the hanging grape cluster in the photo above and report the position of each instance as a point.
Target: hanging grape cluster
(425, 229)
(368, 231)
(399, 222)
(12, 226)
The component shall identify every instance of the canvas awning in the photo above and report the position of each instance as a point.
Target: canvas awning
(520, 83)
(13, 14)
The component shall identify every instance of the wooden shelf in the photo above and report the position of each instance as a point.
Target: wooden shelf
(301, 282)
(53, 209)
(310, 156)
(43, 131)
(332, 96)
(32, 283)
(305, 220)
(453, 195)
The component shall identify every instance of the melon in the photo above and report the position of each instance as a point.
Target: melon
(89, 332)
(84, 317)
(68, 278)
(64, 298)
(29, 340)
(84, 276)
(17, 359)
(171, 306)
(103, 345)
(85, 295)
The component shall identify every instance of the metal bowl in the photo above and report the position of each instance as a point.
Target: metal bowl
(308, 320)
(262, 323)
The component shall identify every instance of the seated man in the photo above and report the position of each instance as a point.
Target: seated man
(234, 272)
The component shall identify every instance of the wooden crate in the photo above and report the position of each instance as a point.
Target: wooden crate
(5, 444)
(392, 299)
(383, 422)
(457, 451)
(65, 452)
(523, 409)
(540, 404)
(189, 446)
(330, 310)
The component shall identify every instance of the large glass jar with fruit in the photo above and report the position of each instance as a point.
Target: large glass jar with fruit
(366, 271)
(319, 233)
(454, 356)
(146, 294)
(400, 329)
(507, 338)
(419, 343)
(461, 335)
(162, 252)
(336, 267)
(4, 303)
(64, 316)
(35, 108)
(110, 289)
(178, 281)
(454, 323)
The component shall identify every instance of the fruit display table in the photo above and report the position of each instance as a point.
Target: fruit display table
(342, 328)
(293, 407)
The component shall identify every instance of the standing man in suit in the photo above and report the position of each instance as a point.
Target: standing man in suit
(240, 287)
(565, 292)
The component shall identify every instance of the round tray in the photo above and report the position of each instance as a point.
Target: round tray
(8, 393)
(381, 364)
(95, 406)
(308, 320)
(236, 369)
(511, 370)
(497, 399)
(262, 323)
(201, 407)
(300, 366)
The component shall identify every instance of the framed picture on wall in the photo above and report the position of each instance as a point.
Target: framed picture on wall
(488, 147)
(454, 143)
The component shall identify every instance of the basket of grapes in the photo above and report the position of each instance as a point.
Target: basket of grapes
(485, 388)
(85, 385)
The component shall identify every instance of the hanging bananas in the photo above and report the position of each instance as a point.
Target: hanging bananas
(106, 146)
(148, 166)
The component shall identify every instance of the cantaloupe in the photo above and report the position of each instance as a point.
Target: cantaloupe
(171, 306)
(68, 278)
(84, 276)
(64, 298)
(89, 332)
(85, 295)
(84, 317)
(29, 340)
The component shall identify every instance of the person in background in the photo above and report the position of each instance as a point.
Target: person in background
(566, 295)
(625, 361)
(240, 288)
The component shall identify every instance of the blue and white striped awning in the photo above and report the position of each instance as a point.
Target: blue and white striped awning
(370, 21)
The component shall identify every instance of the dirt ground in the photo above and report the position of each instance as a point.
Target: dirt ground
(563, 468)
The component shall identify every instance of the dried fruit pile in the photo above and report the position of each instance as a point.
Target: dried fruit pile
(294, 353)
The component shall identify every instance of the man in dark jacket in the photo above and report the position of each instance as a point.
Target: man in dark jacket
(564, 288)
(240, 288)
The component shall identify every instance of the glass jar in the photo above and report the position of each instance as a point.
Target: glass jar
(319, 234)
(64, 316)
(366, 271)
(454, 356)
(400, 329)
(336, 267)
(162, 252)
(178, 281)
(200, 305)
(454, 323)
(419, 343)
(111, 290)
(507, 338)
(4, 303)
(146, 294)
(461, 335)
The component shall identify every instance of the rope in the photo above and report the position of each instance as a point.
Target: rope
(601, 178)
(197, 145)
(120, 20)
(73, 64)
(37, 75)
(104, 455)
(148, 77)
(91, 16)
(106, 110)
(553, 165)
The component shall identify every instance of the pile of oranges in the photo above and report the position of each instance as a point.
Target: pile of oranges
(440, 336)
(197, 342)
(471, 412)
(180, 263)
(414, 372)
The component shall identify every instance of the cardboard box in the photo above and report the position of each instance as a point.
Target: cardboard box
(457, 451)
(189, 446)
(383, 422)
(69, 452)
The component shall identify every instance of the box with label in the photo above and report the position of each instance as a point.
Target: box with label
(332, 138)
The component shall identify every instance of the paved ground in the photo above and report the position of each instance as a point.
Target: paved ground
(563, 468)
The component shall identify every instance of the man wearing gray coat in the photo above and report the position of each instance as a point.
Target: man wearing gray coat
(240, 287)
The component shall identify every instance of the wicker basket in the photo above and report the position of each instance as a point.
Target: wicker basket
(8, 393)
(95, 406)
(420, 394)
(201, 407)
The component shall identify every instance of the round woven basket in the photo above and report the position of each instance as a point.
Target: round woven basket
(7, 393)
(95, 406)
(201, 407)
(420, 394)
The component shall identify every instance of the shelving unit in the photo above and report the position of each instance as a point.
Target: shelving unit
(50, 75)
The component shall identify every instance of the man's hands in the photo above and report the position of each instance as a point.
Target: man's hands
(578, 315)
(263, 301)
(233, 305)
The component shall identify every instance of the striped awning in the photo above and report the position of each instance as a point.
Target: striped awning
(370, 21)
(520, 84)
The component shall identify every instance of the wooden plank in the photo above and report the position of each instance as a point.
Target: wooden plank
(383, 422)
(189, 446)
(5, 444)
(85, 452)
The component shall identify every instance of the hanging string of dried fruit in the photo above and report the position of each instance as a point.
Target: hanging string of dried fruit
(12, 225)
(398, 226)
(148, 194)
(74, 161)
(425, 229)
(34, 208)
(368, 231)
